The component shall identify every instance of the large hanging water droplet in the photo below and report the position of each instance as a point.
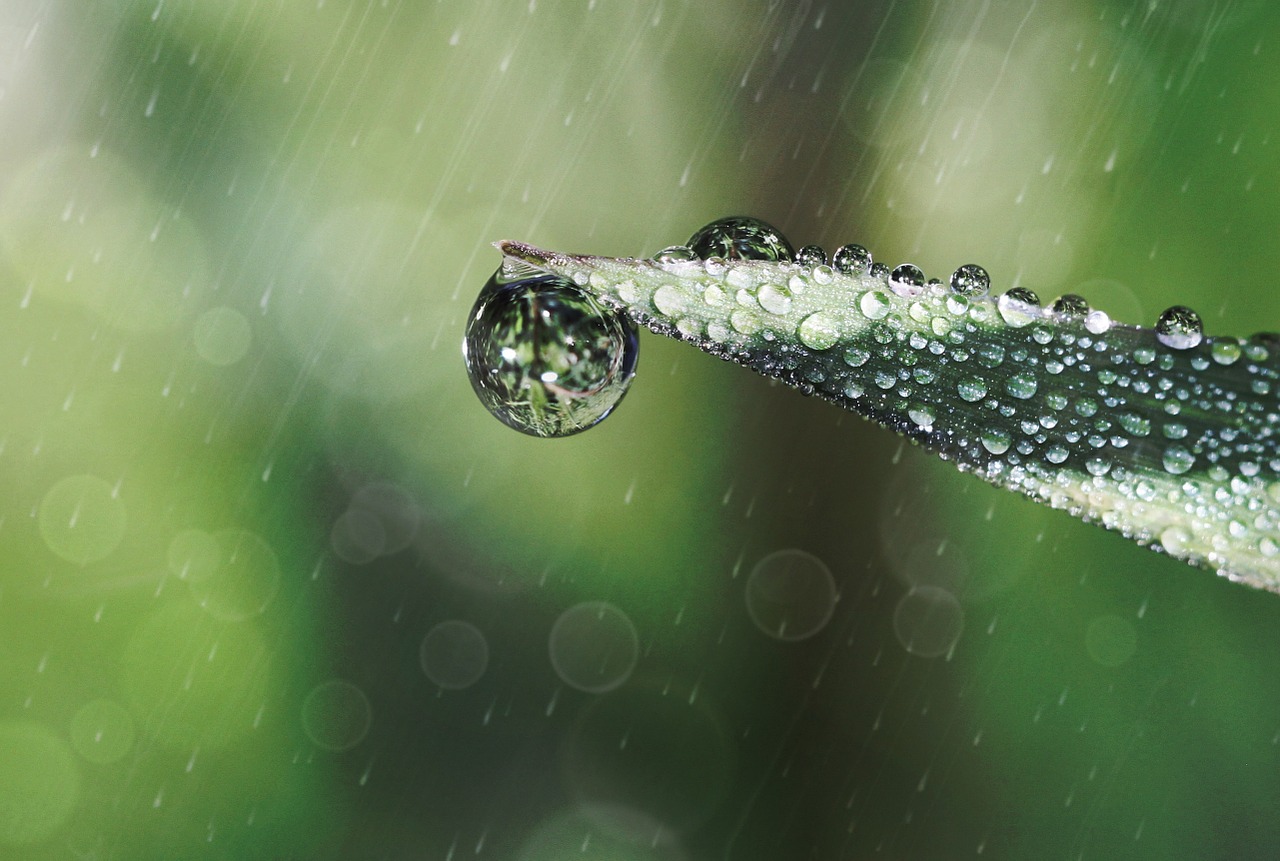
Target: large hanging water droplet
(741, 238)
(544, 357)
(1179, 328)
(971, 280)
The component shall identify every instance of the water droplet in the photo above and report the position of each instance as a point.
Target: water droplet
(922, 415)
(1097, 322)
(874, 304)
(879, 271)
(1071, 305)
(907, 280)
(851, 260)
(544, 357)
(1135, 424)
(670, 300)
(1018, 306)
(1178, 460)
(810, 256)
(995, 440)
(1055, 453)
(774, 298)
(675, 254)
(1179, 328)
(741, 238)
(1021, 386)
(823, 274)
(1098, 466)
(1226, 351)
(972, 389)
(818, 331)
(971, 280)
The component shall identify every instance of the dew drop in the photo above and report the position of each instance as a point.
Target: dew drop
(879, 271)
(922, 415)
(907, 280)
(810, 256)
(1071, 305)
(971, 280)
(1021, 386)
(996, 441)
(1055, 453)
(1097, 322)
(1226, 351)
(1178, 460)
(851, 260)
(818, 331)
(972, 389)
(741, 238)
(1018, 306)
(544, 357)
(774, 298)
(669, 300)
(874, 304)
(1179, 328)
(675, 254)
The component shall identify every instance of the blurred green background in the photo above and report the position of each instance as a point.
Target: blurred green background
(275, 586)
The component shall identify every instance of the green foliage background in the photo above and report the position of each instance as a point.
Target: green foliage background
(238, 244)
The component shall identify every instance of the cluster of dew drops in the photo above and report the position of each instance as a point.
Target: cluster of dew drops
(547, 359)
(746, 238)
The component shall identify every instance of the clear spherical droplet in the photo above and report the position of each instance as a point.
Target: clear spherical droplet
(544, 357)
(1179, 328)
(741, 237)
(851, 260)
(1178, 460)
(1071, 305)
(907, 280)
(811, 255)
(971, 280)
(879, 271)
(675, 254)
(1018, 306)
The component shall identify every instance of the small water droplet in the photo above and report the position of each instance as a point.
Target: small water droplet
(1055, 453)
(1021, 386)
(972, 389)
(544, 357)
(907, 280)
(1178, 460)
(879, 271)
(669, 300)
(851, 260)
(922, 415)
(810, 256)
(675, 254)
(1179, 328)
(971, 280)
(741, 238)
(874, 304)
(1226, 351)
(1071, 305)
(1097, 322)
(774, 298)
(1018, 306)
(995, 440)
(818, 331)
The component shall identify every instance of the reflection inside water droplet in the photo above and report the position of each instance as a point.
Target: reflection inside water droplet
(741, 237)
(1179, 328)
(544, 357)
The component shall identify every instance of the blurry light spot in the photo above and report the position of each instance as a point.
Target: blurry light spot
(594, 647)
(454, 654)
(791, 595)
(40, 784)
(82, 519)
(357, 537)
(222, 336)
(102, 731)
(234, 577)
(336, 715)
(928, 621)
(1110, 640)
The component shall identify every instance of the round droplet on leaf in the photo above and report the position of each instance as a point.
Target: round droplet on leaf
(907, 280)
(1071, 305)
(544, 357)
(810, 256)
(741, 237)
(1179, 328)
(675, 254)
(851, 260)
(971, 280)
